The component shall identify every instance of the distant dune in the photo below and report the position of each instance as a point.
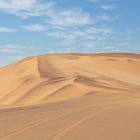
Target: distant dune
(71, 97)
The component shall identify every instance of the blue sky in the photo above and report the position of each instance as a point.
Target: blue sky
(33, 27)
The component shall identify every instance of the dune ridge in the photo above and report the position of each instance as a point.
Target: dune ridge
(71, 97)
(49, 78)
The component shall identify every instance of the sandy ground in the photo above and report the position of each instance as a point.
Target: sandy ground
(71, 97)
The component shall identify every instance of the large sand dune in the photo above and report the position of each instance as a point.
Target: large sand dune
(71, 97)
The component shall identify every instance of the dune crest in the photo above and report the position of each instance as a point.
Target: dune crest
(71, 97)
(50, 78)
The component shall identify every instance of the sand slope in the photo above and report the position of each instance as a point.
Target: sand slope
(71, 97)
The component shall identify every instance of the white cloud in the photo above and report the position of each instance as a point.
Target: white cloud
(35, 28)
(16, 4)
(7, 30)
(61, 24)
(12, 48)
(25, 8)
(8, 50)
(85, 34)
(108, 7)
(107, 18)
(86, 38)
(68, 49)
(70, 17)
(99, 30)
(47, 10)
(103, 1)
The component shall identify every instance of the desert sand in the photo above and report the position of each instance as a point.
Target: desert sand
(71, 97)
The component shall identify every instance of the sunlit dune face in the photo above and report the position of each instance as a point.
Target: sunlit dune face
(50, 78)
(71, 97)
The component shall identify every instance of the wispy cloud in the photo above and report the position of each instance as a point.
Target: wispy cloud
(70, 17)
(103, 1)
(87, 33)
(104, 30)
(47, 10)
(108, 7)
(7, 50)
(25, 8)
(71, 27)
(7, 30)
(35, 27)
(12, 48)
(85, 39)
(107, 18)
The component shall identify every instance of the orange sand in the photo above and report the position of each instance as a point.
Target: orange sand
(71, 97)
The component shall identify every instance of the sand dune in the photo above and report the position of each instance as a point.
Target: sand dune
(71, 97)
